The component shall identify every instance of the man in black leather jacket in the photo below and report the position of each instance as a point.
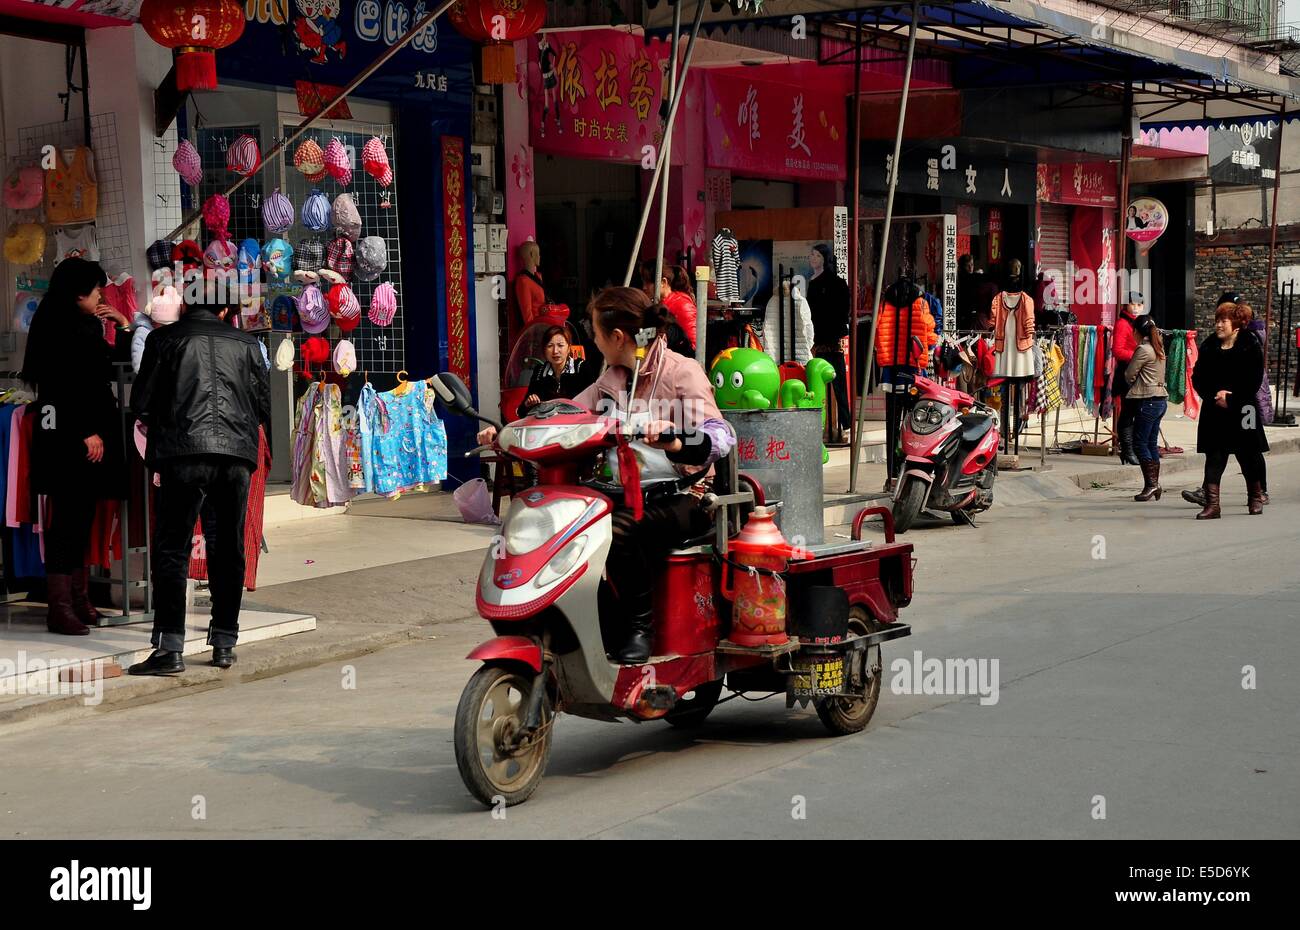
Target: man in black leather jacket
(202, 392)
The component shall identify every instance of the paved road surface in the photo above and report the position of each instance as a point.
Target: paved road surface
(1119, 679)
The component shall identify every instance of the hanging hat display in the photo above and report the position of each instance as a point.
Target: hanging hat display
(277, 212)
(310, 160)
(284, 353)
(383, 305)
(24, 189)
(374, 159)
(165, 306)
(187, 254)
(339, 256)
(337, 164)
(277, 259)
(316, 214)
(216, 214)
(312, 312)
(24, 243)
(159, 255)
(371, 258)
(284, 314)
(25, 304)
(243, 156)
(220, 255)
(343, 303)
(187, 163)
(345, 358)
(250, 261)
(346, 217)
(314, 351)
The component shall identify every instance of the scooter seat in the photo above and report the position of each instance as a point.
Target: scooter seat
(974, 426)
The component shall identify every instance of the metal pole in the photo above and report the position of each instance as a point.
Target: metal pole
(701, 310)
(855, 246)
(1272, 240)
(1121, 280)
(306, 124)
(884, 244)
(667, 149)
(665, 156)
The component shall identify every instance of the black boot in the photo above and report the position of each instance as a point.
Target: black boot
(223, 656)
(1196, 496)
(1211, 511)
(61, 616)
(81, 604)
(637, 648)
(1151, 489)
(160, 662)
(1126, 454)
(1255, 498)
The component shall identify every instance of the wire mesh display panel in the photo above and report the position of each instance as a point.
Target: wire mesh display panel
(380, 349)
(168, 207)
(112, 234)
(212, 143)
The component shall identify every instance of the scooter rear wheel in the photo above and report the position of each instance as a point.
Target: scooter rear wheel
(689, 714)
(841, 715)
(489, 716)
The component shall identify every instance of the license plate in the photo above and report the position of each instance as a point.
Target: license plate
(820, 678)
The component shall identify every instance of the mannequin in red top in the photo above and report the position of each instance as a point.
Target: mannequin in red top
(530, 295)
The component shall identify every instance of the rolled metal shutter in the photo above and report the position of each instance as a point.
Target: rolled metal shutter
(1054, 251)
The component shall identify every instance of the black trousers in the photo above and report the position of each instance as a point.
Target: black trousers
(1251, 462)
(839, 386)
(216, 488)
(640, 548)
(72, 513)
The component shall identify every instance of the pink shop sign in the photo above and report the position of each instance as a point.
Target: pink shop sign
(772, 130)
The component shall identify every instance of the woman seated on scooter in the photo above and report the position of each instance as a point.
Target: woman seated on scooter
(672, 394)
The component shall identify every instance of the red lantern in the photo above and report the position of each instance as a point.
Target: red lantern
(498, 23)
(195, 29)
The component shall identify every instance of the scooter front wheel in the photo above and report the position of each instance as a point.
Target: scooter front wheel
(495, 763)
(909, 503)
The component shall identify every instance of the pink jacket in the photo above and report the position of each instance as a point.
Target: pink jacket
(674, 387)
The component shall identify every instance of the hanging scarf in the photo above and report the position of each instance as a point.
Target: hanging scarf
(1191, 402)
(1176, 366)
(1069, 371)
(1087, 363)
(1105, 377)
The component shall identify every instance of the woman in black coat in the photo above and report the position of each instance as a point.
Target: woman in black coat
(77, 455)
(1227, 377)
(558, 375)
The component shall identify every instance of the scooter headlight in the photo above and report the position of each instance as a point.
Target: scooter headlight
(928, 416)
(526, 527)
(559, 566)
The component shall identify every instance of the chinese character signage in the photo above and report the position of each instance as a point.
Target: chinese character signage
(771, 130)
(597, 94)
(1145, 222)
(995, 236)
(945, 169)
(456, 249)
(1082, 183)
(1244, 154)
(949, 272)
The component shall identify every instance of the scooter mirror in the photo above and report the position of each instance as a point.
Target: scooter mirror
(453, 393)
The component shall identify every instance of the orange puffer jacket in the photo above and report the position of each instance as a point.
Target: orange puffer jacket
(894, 345)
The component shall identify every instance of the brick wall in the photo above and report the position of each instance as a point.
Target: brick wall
(1237, 260)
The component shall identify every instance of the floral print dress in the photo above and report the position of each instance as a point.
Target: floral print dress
(405, 443)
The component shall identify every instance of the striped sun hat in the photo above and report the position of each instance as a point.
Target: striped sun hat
(277, 212)
(383, 305)
(243, 156)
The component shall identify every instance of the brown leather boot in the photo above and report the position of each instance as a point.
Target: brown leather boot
(1151, 489)
(1254, 498)
(61, 617)
(1211, 511)
(81, 604)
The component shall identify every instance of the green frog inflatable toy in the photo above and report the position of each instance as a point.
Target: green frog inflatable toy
(747, 379)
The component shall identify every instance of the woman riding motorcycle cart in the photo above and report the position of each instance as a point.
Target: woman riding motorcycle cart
(693, 595)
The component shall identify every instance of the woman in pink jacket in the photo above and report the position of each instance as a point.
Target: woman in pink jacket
(684, 434)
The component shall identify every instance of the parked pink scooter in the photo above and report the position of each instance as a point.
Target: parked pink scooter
(950, 454)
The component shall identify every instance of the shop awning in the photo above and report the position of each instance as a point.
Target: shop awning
(1018, 43)
(90, 14)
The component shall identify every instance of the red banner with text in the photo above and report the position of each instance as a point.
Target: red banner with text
(597, 94)
(456, 255)
(1082, 183)
(770, 130)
